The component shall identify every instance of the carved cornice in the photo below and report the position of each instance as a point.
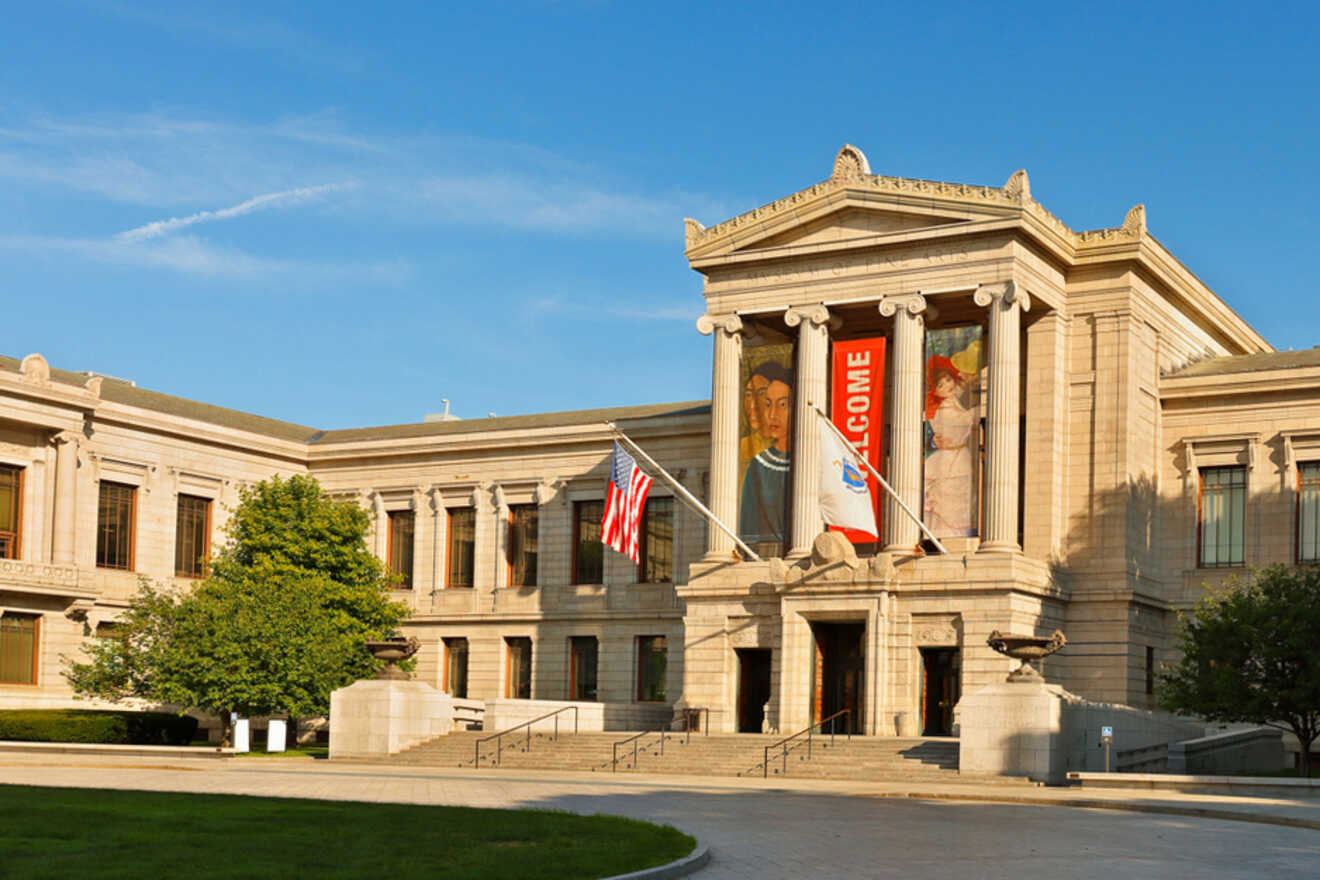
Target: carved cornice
(815, 314)
(1133, 228)
(730, 324)
(1005, 293)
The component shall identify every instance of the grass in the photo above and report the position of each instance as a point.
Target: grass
(300, 752)
(71, 832)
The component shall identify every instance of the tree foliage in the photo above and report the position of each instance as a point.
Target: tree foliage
(279, 623)
(1251, 653)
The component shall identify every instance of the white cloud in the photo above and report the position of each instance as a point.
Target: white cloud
(288, 197)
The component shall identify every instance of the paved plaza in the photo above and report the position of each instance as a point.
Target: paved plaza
(790, 829)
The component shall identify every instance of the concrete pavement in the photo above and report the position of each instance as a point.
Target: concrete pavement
(801, 828)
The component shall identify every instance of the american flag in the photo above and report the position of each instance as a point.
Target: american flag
(623, 506)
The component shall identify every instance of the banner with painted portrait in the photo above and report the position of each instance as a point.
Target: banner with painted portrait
(952, 427)
(764, 446)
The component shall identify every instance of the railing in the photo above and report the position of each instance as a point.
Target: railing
(635, 739)
(687, 722)
(499, 737)
(807, 732)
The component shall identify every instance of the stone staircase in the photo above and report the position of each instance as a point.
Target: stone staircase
(862, 758)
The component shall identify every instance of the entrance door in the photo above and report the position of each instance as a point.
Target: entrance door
(753, 687)
(940, 668)
(839, 676)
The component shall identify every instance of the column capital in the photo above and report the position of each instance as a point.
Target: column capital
(1004, 292)
(730, 324)
(437, 500)
(62, 437)
(815, 314)
(911, 303)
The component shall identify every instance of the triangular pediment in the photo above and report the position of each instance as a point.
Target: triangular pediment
(849, 224)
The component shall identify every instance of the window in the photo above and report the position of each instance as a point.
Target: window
(18, 648)
(652, 659)
(456, 668)
(582, 667)
(588, 551)
(1150, 669)
(522, 545)
(11, 494)
(462, 546)
(1308, 511)
(192, 536)
(400, 551)
(656, 554)
(1221, 516)
(518, 674)
(115, 517)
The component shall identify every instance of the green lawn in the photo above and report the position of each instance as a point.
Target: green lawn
(74, 832)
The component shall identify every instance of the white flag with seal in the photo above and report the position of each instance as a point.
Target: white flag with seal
(845, 498)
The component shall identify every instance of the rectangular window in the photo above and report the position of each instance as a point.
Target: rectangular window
(1150, 669)
(456, 668)
(11, 496)
(583, 652)
(656, 553)
(400, 551)
(588, 551)
(522, 545)
(1222, 516)
(462, 546)
(652, 660)
(115, 516)
(1308, 511)
(518, 674)
(192, 536)
(18, 648)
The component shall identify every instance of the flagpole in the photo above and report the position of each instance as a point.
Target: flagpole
(890, 489)
(682, 490)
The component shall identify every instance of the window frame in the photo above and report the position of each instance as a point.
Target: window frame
(578, 508)
(36, 648)
(513, 546)
(15, 546)
(450, 643)
(1202, 473)
(405, 548)
(644, 541)
(1299, 486)
(131, 563)
(451, 556)
(573, 643)
(201, 570)
(509, 642)
(643, 643)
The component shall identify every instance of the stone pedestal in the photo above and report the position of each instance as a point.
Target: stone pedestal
(1014, 729)
(378, 717)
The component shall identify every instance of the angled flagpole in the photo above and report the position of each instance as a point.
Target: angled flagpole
(888, 488)
(682, 490)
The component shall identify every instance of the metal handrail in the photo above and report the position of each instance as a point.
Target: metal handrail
(687, 722)
(634, 739)
(499, 737)
(765, 758)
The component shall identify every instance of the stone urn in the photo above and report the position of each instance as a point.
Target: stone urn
(1026, 649)
(393, 651)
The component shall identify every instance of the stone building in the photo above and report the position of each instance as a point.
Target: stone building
(1124, 438)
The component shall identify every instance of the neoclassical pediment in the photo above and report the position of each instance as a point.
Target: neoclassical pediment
(847, 224)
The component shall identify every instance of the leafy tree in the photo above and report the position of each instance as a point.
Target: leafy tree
(279, 623)
(1251, 653)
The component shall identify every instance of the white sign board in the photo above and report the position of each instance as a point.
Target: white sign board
(1106, 732)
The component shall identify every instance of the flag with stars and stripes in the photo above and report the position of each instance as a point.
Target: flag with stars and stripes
(624, 504)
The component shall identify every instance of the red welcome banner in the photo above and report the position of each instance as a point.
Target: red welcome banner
(857, 408)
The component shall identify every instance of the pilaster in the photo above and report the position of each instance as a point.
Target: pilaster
(63, 538)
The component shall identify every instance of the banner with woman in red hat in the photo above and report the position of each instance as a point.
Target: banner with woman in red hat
(952, 427)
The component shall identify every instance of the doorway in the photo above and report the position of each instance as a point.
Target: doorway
(753, 687)
(940, 688)
(838, 676)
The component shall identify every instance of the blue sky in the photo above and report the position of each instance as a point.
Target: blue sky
(339, 216)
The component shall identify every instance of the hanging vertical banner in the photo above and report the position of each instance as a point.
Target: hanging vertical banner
(857, 408)
(764, 454)
(952, 430)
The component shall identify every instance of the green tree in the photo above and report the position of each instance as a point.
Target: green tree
(1251, 653)
(279, 623)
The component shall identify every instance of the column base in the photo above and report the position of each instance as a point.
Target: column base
(726, 556)
(999, 547)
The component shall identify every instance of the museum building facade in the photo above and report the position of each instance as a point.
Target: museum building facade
(1087, 433)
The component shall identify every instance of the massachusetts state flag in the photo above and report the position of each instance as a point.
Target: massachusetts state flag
(623, 507)
(845, 499)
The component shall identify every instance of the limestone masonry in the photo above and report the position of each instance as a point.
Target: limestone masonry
(1096, 432)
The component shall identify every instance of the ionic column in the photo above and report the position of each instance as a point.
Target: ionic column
(908, 311)
(812, 365)
(66, 497)
(725, 397)
(1006, 303)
